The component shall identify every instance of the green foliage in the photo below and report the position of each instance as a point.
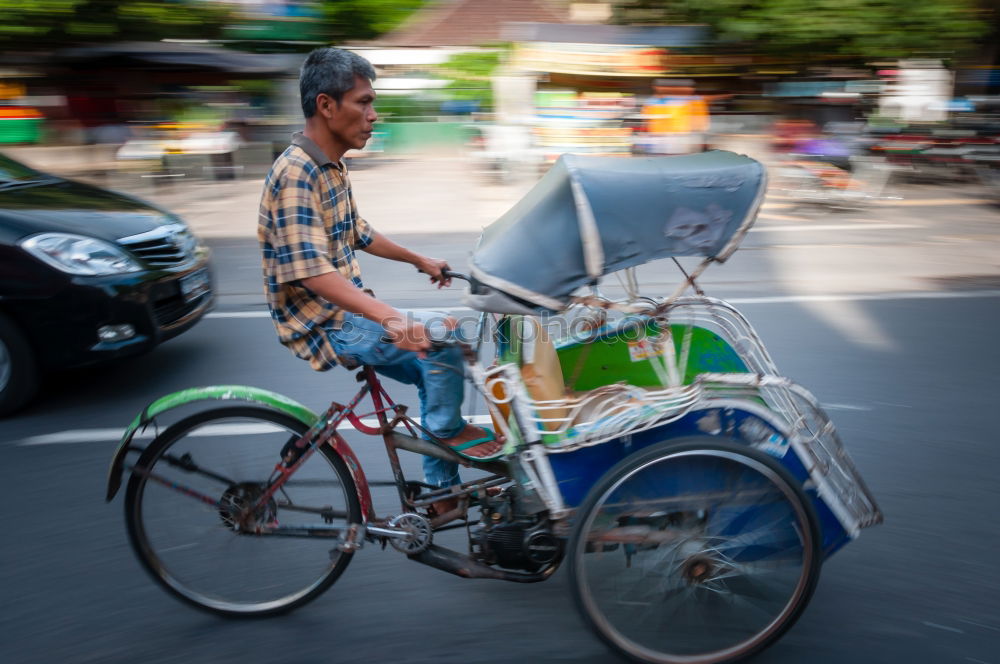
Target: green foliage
(864, 29)
(346, 20)
(45, 24)
(470, 75)
(406, 108)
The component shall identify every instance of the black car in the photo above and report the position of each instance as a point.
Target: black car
(87, 275)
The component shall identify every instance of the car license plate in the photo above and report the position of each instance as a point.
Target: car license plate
(195, 285)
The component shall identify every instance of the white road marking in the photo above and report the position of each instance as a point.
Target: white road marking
(114, 434)
(905, 202)
(944, 627)
(769, 299)
(843, 406)
(72, 436)
(866, 297)
(779, 217)
(979, 624)
(238, 314)
(935, 201)
(81, 436)
(831, 227)
(265, 314)
(179, 547)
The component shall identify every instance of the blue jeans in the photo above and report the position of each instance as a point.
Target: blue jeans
(439, 378)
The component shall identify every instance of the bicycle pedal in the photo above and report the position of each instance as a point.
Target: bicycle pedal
(352, 540)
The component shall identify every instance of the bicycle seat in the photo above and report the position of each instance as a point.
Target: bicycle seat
(348, 362)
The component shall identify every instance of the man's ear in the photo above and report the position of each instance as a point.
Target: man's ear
(326, 105)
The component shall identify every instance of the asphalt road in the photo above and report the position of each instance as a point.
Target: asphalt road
(905, 365)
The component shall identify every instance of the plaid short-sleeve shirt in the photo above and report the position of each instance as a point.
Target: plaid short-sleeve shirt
(308, 226)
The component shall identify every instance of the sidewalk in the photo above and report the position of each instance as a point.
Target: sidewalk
(426, 194)
(422, 194)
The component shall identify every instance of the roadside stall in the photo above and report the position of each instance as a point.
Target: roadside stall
(19, 121)
(590, 81)
(175, 109)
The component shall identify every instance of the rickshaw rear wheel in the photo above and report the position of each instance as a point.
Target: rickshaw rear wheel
(698, 550)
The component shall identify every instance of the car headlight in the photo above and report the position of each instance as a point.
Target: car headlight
(78, 254)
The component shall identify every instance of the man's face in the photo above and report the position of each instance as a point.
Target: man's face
(351, 122)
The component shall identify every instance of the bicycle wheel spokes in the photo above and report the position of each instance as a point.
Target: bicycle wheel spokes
(714, 555)
(211, 554)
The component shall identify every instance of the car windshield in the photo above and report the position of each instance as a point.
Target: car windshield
(12, 171)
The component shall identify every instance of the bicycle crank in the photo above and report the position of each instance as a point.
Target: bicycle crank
(418, 533)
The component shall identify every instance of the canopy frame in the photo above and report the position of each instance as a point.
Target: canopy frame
(701, 228)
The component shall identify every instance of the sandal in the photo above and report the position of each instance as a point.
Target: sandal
(466, 448)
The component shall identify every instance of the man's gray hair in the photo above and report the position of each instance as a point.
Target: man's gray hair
(330, 71)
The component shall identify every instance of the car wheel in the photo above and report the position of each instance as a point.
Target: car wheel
(18, 371)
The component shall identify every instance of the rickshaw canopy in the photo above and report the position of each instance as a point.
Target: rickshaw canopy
(591, 216)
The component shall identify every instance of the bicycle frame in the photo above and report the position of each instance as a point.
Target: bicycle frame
(324, 432)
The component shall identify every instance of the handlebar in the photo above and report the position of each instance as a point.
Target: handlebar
(441, 344)
(451, 274)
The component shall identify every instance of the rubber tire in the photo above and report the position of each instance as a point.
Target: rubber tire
(688, 443)
(175, 431)
(24, 376)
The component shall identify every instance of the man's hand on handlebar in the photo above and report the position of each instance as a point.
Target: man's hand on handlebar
(437, 269)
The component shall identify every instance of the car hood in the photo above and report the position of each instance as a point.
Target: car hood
(73, 207)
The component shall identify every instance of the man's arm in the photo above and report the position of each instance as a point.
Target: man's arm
(335, 288)
(383, 247)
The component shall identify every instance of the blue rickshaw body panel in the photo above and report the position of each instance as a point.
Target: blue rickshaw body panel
(579, 470)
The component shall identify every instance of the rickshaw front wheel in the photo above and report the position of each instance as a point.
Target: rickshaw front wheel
(697, 550)
(194, 509)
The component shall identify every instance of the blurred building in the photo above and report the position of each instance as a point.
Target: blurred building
(917, 91)
(99, 93)
(279, 23)
(20, 119)
(581, 87)
(470, 22)
(420, 104)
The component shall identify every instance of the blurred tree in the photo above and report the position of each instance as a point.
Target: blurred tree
(812, 29)
(347, 20)
(407, 108)
(44, 24)
(470, 75)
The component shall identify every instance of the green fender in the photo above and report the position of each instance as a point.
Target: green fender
(266, 398)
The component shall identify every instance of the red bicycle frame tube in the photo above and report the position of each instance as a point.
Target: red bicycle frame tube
(324, 432)
(327, 435)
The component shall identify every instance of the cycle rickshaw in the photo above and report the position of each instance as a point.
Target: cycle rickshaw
(652, 446)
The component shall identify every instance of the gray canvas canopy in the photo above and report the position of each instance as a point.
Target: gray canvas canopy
(591, 216)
